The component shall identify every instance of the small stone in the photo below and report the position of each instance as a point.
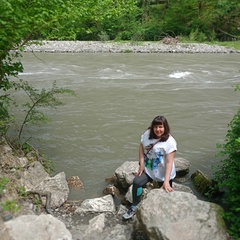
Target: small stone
(7, 216)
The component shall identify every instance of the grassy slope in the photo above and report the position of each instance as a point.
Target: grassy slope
(234, 44)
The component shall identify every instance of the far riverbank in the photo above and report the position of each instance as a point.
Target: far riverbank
(126, 47)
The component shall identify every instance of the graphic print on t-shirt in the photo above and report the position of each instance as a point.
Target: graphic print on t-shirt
(154, 158)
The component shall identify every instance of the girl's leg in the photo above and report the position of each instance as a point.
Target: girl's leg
(138, 183)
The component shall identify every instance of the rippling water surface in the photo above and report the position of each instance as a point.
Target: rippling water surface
(117, 97)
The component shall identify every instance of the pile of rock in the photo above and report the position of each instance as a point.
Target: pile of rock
(161, 215)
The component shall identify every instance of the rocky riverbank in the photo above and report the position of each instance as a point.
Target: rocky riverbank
(126, 47)
(46, 213)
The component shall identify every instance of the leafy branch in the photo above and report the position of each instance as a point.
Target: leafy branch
(44, 98)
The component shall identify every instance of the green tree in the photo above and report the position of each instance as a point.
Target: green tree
(106, 16)
(183, 17)
(226, 18)
(20, 22)
(207, 18)
(227, 175)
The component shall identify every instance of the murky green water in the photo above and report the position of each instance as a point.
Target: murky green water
(117, 97)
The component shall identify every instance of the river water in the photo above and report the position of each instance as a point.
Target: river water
(117, 97)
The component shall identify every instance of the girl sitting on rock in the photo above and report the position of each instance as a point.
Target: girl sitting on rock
(156, 160)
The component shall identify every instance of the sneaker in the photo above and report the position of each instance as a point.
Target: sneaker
(130, 213)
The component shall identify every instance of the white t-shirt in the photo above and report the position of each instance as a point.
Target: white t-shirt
(155, 159)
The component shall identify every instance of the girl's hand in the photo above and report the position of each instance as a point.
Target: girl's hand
(140, 171)
(167, 187)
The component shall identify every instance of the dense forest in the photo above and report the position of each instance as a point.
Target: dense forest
(151, 20)
(140, 20)
(25, 21)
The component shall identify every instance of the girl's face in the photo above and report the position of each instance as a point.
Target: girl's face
(158, 130)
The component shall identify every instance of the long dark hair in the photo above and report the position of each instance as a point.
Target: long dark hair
(160, 120)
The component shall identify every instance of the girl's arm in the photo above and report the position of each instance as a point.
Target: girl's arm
(168, 170)
(141, 160)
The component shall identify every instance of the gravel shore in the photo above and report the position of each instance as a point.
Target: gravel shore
(117, 47)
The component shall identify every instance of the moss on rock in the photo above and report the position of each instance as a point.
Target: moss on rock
(201, 182)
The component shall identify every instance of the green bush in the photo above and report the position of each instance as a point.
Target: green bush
(227, 175)
(196, 35)
(152, 33)
(10, 206)
(3, 184)
(124, 35)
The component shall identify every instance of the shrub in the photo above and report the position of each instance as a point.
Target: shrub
(3, 184)
(227, 175)
(10, 206)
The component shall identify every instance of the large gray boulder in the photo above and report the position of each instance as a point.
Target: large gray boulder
(32, 176)
(58, 188)
(35, 179)
(180, 215)
(126, 173)
(29, 227)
